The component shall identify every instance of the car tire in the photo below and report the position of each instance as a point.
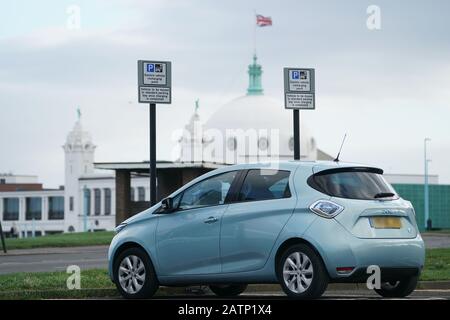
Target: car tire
(398, 289)
(304, 276)
(228, 290)
(134, 275)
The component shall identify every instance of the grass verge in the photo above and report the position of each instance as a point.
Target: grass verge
(51, 285)
(437, 265)
(62, 240)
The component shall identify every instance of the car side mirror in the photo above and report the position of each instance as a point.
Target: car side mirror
(167, 204)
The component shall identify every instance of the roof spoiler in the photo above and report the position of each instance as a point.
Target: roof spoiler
(349, 169)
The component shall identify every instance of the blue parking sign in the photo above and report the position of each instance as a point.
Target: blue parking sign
(295, 75)
(150, 67)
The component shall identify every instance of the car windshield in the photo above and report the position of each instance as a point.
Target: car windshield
(366, 184)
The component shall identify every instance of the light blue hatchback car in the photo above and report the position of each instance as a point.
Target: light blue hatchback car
(300, 224)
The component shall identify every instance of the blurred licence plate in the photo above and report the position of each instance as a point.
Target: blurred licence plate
(386, 222)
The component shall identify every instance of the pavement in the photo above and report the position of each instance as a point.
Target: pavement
(94, 257)
(436, 240)
(436, 290)
(274, 292)
(330, 294)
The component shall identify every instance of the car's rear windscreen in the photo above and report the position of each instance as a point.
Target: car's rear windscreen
(352, 183)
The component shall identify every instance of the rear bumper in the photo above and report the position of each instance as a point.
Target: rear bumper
(339, 248)
(360, 275)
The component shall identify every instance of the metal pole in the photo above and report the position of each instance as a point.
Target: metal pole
(3, 238)
(152, 154)
(426, 195)
(296, 115)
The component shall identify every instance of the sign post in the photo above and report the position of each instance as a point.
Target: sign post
(299, 93)
(154, 86)
(3, 238)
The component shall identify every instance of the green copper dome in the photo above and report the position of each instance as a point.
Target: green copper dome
(254, 76)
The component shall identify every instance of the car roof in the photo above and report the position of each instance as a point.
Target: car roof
(291, 165)
(316, 166)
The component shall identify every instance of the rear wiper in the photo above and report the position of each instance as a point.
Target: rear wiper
(384, 195)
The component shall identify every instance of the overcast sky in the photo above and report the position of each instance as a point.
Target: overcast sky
(387, 89)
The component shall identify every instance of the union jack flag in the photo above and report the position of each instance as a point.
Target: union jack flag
(262, 21)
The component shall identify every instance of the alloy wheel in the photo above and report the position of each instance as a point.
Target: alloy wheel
(131, 274)
(298, 272)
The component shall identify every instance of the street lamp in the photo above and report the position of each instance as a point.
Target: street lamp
(426, 194)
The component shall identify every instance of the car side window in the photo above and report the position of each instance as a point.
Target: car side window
(209, 192)
(176, 200)
(265, 184)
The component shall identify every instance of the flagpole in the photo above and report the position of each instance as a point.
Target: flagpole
(254, 32)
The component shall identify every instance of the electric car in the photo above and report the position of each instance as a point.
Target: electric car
(300, 224)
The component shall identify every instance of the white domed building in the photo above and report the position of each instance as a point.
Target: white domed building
(253, 127)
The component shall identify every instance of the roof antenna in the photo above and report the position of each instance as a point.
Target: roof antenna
(340, 149)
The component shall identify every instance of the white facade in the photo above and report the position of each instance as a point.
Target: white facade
(79, 160)
(24, 225)
(87, 201)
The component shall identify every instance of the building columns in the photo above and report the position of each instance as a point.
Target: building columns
(168, 182)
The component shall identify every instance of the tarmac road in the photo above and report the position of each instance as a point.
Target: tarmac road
(54, 259)
(58, 259)
(435, 240)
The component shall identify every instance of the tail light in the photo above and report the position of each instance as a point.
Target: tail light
(344, 270)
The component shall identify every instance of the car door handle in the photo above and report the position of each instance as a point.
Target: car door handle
(211, 220)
